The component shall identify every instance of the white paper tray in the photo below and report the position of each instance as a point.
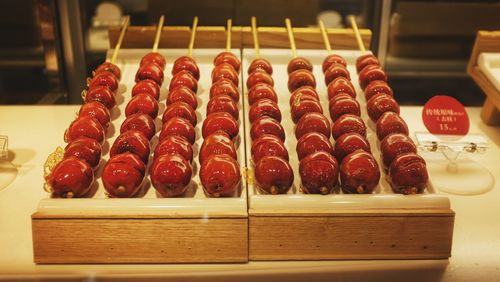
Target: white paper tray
(297, 202)
(196, 203)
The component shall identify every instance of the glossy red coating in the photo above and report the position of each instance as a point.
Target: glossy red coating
(369, 74)
(312, 122)
(173, 144)
(150, 71)
(377, 86)
(180, 109)
(147, 86)
(339, 107)
(217, 143)
(339, 96)
(225, 71)
(223, 103)
(170, 175)
(180, 127)
(188, 64)
(333, 59)
(408, 174)
(141, 122)
(142, 103)
(96, 110)
(261, 64)
(107, 66)
(70, 178)
(348, 143)
(380, 104)
(229, 58)
(101, 94)
(182, 94)
(153, 57)
(183, 78)
(366, 60)
(104, 78)
(302, 107)
(273, 175)
(348, 123)
(268, 145)
(390, 123)
(261, 91)
(86, 149)
(319, 173)
(259, 76)
(121, 180)
(303, 93)
(393, 145)
(84, 126)
(313, 142)
(300, 78)
(220, 121)
(132, 141)
(335, 71)
(340, 85)
(359, 173)
(264, 107)
(225, 87)
(299, 63)
(220, 176)
(267, 125)
(130, 159)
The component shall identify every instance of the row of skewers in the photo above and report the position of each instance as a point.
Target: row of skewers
(321, 164)
(171, 169)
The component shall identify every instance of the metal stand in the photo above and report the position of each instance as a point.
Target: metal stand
(8, 171)
(457, 172)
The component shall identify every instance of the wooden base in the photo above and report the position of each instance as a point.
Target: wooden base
(395, 235)
(490, 113)
(139, 240)
(486, 41)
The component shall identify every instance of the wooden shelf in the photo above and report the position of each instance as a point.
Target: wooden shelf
(486, 41)
(215, 37)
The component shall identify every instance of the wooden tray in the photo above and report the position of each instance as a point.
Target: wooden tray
(147, 229)
(215, 37)
(486, 41)
(382, 225)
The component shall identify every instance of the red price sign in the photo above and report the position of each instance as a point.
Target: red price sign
(445, 115)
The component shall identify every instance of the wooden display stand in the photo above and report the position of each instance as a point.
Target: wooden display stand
(150, 237)
(138, 239)
(360, 234)
(300, 226)
(486, 41)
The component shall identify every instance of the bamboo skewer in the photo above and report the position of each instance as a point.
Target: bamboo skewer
(354, 26)
(325, 37)
(193, 35)
(158, 33)
(228, 38)
(255, 38)
(290, 37)
(120, 39)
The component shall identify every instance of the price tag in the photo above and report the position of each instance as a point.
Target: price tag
(445, 115)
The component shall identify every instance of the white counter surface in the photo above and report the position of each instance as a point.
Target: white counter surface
(34, 131)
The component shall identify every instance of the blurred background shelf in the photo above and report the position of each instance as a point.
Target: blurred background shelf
(424, 45)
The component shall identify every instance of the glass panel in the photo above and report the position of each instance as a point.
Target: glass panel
(429, 46)
(28, 62)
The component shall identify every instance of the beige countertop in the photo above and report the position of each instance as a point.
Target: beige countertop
(34, 131)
